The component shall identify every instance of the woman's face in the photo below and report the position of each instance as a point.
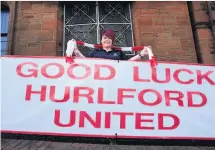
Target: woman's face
(106, 42)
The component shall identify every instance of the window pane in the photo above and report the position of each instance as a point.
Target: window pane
(4, 21)
(114, 12)
(3, 45)
(80, 13)
(123, 33)
(86, 33)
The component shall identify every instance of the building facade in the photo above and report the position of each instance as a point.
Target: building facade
(177, 31)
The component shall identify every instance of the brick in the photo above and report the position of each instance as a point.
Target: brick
(204, 34)
(169, 44)
(165, 34)
(174, 8)
(208, 59)
(140, 5)
(34, 44)
(179, 32)
(46, 35)
(35, 26)
(49, 24)
(183, 22)
(146, 21)
(48, 48)
(148, 41)
(148, 12)
(206, 46)
(30, 51)
(178, 52)
(201, 16)
(22, 26)
(170, 22)
(24, 5)
(30, 16)
(213, 15)
(51, 16)
(186, 44)
(187, 59)
(150, 29)
(42, 8)
(197, 5)
(149, 35)
(158, 21)
(29, 36)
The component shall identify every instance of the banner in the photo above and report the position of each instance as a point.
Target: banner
(104, 98)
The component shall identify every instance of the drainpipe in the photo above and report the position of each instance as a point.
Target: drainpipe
(195, 36)
(212, 24)
(11, 50)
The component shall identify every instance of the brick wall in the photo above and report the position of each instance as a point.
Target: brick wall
(166, 26)
(204, 33)
(35, 28)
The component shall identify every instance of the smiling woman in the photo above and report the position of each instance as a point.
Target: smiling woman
(107, 52)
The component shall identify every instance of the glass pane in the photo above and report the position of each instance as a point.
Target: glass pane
(86, 33)
(80, 13)
(3, 45)
(123, 33)
(114, 12)
(4, 21)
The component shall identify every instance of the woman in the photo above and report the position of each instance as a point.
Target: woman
(107, 52)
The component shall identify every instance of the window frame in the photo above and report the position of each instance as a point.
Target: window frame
(6, 9)
(98, 23)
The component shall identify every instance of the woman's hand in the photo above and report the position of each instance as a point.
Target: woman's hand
(145, 51)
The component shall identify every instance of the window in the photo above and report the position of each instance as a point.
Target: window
(4, 28)
(87, 20)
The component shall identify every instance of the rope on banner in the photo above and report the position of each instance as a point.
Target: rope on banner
(72, 45)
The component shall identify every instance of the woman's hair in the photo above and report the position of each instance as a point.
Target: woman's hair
(109, 33)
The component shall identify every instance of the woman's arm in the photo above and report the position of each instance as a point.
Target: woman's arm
(139, 56)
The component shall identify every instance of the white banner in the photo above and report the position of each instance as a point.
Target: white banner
(101, 98)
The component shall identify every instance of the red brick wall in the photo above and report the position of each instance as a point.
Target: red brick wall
(166, 26)
(204, 34)
(35, 29)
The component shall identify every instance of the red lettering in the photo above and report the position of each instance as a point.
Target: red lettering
(139, 120)
(64, 99)
(167, 75)
(33, 72)
(95, 124)
(177, 98)
(176, 76)
(121, 95)
(161, 126)
(107, 120)
(97, 75)
(29, 91)
(73, 66)
(101, 97)
(136, 75)
(190, 99)
(122, 118)
(71, 121)
(87, 95)
(58, 75)
(205, 76)
(142, 100)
